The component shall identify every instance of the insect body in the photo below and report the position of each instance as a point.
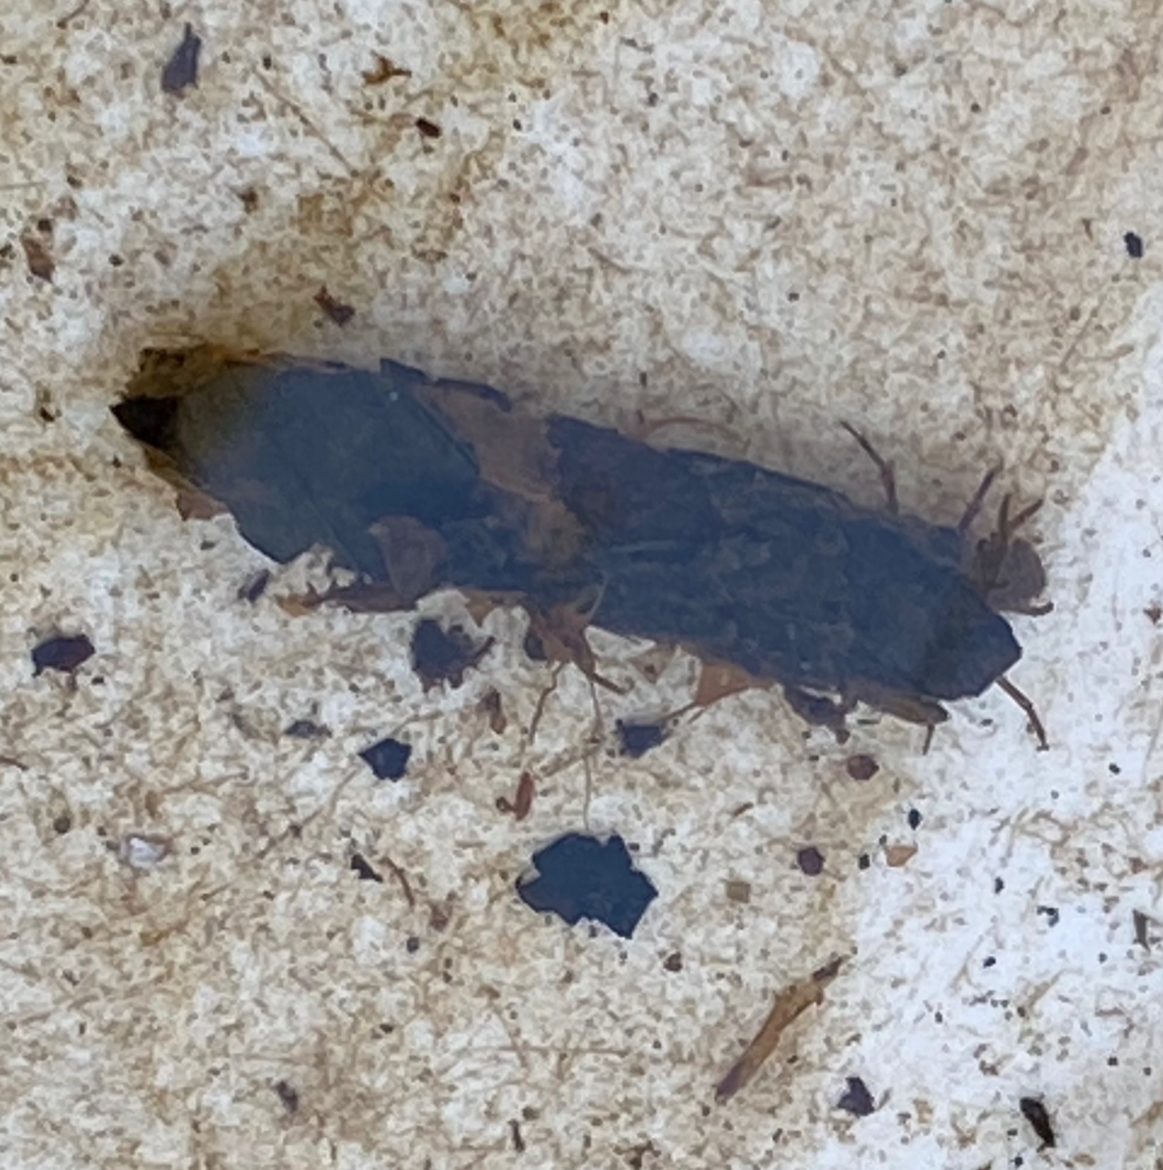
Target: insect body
(418, 485)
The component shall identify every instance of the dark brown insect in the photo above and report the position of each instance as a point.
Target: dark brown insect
(419, 485)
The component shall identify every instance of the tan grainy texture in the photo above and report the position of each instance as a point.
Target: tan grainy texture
(769, 217)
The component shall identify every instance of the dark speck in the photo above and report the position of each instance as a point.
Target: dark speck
(412, 944)
(427, 128)
(638, 738)
(360, 865)
(181, 69)
(863, 861)
(673, 961)
(862, 767)
(388, 759)
(1134, 243)
(989, 961)
(1139, 922)
(914, 818)
(306, 729)
(443, 656)
(254, 587)
(338, 311)
(582, 877)
(64, 653)
(288, 1095)
(1035, 1113)
(998, 885)
(515, 1134)
(535, 648)
(811, 861)
(856, 1099)
(1051, 913)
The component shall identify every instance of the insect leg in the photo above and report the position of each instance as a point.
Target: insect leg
(887, 476)
(977, 499)
(1026, 705)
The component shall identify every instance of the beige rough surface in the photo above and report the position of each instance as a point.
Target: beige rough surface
(767, 216)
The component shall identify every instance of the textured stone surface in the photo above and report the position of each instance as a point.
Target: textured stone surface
(764, 217)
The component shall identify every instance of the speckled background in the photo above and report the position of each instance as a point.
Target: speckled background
(767, 217)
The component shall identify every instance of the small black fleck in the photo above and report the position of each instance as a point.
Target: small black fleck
(856, 1100)
(181, 70)
(412, 944)
(1051, 913)
(288, 1095)
(360, 865)
(1139, 922)
(1134, 243)
(638, 738)
(306, 729)
(1035, 1113)
(1113, 769)
(388, 759)
(863, 861)
(990, 961)
(914, 818)
(673, 961)
(810, 860)
(998, 885)
(515, 1134)
(1112, 1061)
(254, 587)
(62, 823)
(64, 652)
(582, 877)
(443, 656)
(428, 129)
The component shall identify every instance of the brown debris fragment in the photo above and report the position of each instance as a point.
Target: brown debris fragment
(337, 310)
(181, 70)
(491, 706)
(38, 257)
(737, 890)
(718, 680)
(427, 128)
(383, 70)
(789, 1005)
(897, 855)
(522, 802)
(861, 767)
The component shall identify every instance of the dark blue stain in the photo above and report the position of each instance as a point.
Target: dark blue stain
(636, 739)
(1134, 244)
(388, 759)
(63, 652)
(582, 877)
(857, 1100)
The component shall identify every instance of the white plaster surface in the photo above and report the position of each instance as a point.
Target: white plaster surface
(769, 216)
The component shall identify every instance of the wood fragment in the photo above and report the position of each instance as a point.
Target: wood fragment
(789, 1005)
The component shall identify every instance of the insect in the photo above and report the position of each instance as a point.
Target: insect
(418, 484)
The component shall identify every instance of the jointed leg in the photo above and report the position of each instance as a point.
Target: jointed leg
(887, 476)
